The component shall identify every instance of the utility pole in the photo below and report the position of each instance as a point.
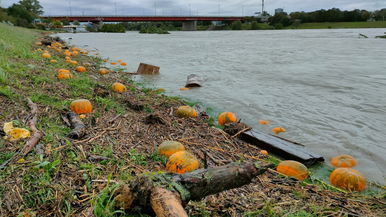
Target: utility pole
(262, 7)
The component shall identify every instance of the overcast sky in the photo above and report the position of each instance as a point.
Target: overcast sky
(193, 7)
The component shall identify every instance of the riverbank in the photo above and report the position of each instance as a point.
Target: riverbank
(340, 25)
(75, 177)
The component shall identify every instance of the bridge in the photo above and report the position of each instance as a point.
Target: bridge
(188, 22)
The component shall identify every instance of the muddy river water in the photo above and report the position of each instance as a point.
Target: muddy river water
(326, 87)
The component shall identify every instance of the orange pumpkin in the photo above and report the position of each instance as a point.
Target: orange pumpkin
(67, 53)
(265, 152)
(64, 75)
(348, 179)
(80, 69)
(67, 58)
(344, 161)
(186, 111)
(263, 122)
(182, 162)
(226, 117)
(293, 169)
(167, 148)
(113, 63)
(64, 70)
(46, 55)
(123, 64)
(53, 61)
(74, 53)
(103, 71)
(118, 87)
(278, 130)
(184, 88)
(75, 49)
(81, 106)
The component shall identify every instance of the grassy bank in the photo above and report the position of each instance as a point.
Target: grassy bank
(341, 25)
(68, 177)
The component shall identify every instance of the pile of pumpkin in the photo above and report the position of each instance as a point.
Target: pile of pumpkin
(181, 161)
(343, 176)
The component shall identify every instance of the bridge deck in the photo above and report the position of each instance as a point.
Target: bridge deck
(142, 18)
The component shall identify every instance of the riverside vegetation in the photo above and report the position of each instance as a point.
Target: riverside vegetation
(77, 177)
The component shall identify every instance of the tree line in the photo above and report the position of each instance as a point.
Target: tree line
(331, 15)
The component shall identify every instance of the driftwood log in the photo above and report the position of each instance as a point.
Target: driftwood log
(78, 127)
(193, 80)
(279, 146)
(132, 102)
(166, 194)
(148, 69)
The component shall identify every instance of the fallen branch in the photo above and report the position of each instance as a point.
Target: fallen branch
(78, 127)
(36, 134)
(166, 193)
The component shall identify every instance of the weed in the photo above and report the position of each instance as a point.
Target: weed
(137, 158)
(6, 91)
(3, 76)
(48, 100)
(110, 104)
(155, 156)
(4, 156)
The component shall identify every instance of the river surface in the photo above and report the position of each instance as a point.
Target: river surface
(326, 87)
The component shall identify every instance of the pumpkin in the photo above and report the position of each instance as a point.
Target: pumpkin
(264, 152)
(38, 43)
(348, 179)
(119, 61)
(64, 70)
(293, 169)
(182, 162)
(167, 148)
(123, 64)
(84, 52)
(226, 117)
(82, 116)
(73, 62)
(75, 49)
(80, 69)
(184, 88)
(263, 122)
(81, 106)
(74, 53)
(46, 55)
(344, 161)
(14, 134)
(186, 111)
(64, 75)
(278, 130)
(103, 71)
(53, 61)
(67, 53)
(118, 87)
(67, 58)
(113, 63)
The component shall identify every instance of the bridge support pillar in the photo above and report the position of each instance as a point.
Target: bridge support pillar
(189, 25)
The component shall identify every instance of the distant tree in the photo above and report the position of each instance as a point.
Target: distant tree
(76, 23)
(380, 15)
(32, 6)
(237, 25)
(22, 16)
(66, 22)
(280, 18)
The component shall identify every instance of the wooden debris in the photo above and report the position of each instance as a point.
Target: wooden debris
(36, 134)
(181, 188)
(155, 118)
(194, 81)
(101, 91)
(133, 103)
(283, 148)
(78, 127)
(144, 68)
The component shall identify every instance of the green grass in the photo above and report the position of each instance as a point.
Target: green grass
(340, 25)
